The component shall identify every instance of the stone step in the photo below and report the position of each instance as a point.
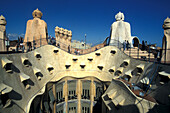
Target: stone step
(135, 56)
(141, 52)
(134, 53)
(137, 51)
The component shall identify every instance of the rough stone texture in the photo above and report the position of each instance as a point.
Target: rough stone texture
(131, 104)
(120, 30)
(2, 33)
(166, 41)
(36, 30)
(63, 37)
(24, 97)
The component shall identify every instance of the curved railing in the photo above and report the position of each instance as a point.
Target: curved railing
(29, 46)
(32, 45)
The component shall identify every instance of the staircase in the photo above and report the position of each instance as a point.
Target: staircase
(139, 54)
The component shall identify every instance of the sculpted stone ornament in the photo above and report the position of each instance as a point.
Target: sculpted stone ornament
(119, 17)
(69, 35)
(2, 20)
(63, 37)
(37, 14)
(2, 33)
(120, 31)
(166, 41)
(36, 30)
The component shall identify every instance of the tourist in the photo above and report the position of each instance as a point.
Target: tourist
(96, 49)
(17, 47)
(127, 45)
(7, 43)
(146, 45)
(49, 39)
(23, 48)
(18, 44)
(29, 46)
(78, 52)
(21, 42)
(69, 49)
(34, 44)
(58, 45)
(124, 45)
(75, 51)
(158, 56)
(53, 41)
(143, 45)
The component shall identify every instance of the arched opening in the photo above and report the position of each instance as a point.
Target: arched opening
(135, 42)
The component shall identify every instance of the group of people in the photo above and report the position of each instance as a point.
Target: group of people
(51, 40)
(20, 44)
(77, 52)
(126, 45)
(144, 45)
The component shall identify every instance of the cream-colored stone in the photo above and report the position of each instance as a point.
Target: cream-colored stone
(166, 41)
(120, 31)
(37, 14)
(63, 38)
(61, 74)
(23, 77)
(2, 33)
(5, 61)
(5, 88)
(2, 20)
(36, 30)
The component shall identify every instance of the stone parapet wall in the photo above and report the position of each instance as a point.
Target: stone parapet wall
(51, 64)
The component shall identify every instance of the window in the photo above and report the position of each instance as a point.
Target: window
(99, 90)
(60, 108)
(85, 107)
(72, 107)
(59, 93)
(86, 89)
(72, 90)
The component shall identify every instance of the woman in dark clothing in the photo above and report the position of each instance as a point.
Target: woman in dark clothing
(127, 45)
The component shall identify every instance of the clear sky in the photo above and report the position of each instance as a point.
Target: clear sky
(91, 17)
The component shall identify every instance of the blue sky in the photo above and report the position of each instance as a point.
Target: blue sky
(91, 17)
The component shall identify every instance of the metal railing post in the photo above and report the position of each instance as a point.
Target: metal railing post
(70, 48)
(149, 52)
(8, 45)
(165, 52)
(33, 43)
(138, 52)
(40, 40)
(27, 45)
(130, 50)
